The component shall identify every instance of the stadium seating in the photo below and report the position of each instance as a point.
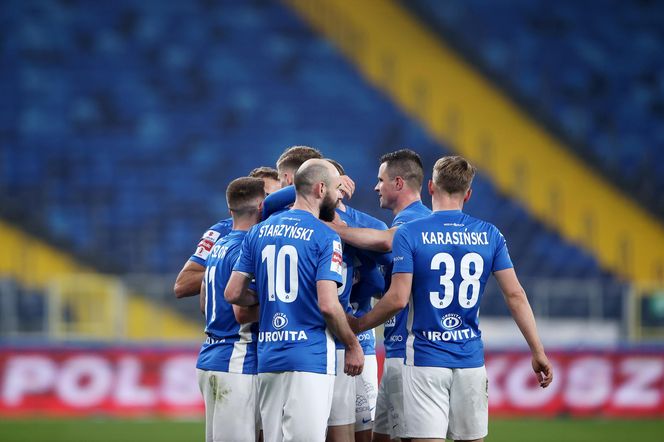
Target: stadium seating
(123, 123)
(588, 69)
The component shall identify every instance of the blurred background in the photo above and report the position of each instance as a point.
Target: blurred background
(121, 123)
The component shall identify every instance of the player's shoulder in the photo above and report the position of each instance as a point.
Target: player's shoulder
(223, 227)
(415, 225)
(223, 224)
(235, 237)
(363, 219)
(412, 212)
(481, 225)
(324, 229)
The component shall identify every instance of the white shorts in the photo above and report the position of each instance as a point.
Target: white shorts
(343, 400)
(450, 403)
(231, 406)
(389, 403)
(295, 405)
(366, 389)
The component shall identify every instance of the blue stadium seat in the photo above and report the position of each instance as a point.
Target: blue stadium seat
(126, 121)
(590, 69)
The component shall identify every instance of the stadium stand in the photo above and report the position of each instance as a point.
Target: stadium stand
(588, 69)
(123, 124)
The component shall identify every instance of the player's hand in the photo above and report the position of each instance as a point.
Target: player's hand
(353, 322)
(543, 369)
(354, 360)
(347, 186)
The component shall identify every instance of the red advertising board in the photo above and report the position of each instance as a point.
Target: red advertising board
(107, 381)
(140, 381)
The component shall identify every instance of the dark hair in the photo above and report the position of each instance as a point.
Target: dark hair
(407, 164)
(264, 172)
(293, 157)
(453, 174)
(337, 165)
(241, 193)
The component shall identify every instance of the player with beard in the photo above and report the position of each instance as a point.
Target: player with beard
(346, 416)
(296, 261)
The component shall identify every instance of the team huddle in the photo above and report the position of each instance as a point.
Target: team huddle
(294, 283)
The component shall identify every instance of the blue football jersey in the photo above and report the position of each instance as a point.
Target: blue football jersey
(348, 268)
(210, 237)
(395, 328)
(287, 254)
(371, 282)
(229, 347)
(451, 256)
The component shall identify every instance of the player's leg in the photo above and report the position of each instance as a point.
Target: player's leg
(398, 424)
(230, 406)
(340, 433)
(383, 426)
(426, 394)
(341, 422)
(366, 386)
(272, 394)
(235, 418)
(307, 407)
(207, 391)
(381, 429)
(469, 405)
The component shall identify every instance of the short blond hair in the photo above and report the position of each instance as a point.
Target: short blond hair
(453, 174)
(293, 157)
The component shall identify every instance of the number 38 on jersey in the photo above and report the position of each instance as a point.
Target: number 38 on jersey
(471, 267)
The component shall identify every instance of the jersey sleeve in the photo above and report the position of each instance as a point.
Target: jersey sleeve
(231, 260)
(501, 257)
(209, 238)
(204, 246)
(279, 200)
(402, 252)
(330, 259)
(245, 260)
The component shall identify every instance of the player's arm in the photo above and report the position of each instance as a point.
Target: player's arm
(365, 238)
(188, 282)
(237, 290)
(278, 200)
(335, 318)
(393, 302)
(201, 297)
(245, 314)
(517, 302)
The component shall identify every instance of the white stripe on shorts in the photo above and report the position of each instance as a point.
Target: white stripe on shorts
(331, 353)
(410, 351)
(236, 364)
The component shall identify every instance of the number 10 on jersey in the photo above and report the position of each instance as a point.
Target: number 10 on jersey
(276, 272)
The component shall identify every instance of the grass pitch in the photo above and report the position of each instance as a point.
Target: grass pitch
(500, 430)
